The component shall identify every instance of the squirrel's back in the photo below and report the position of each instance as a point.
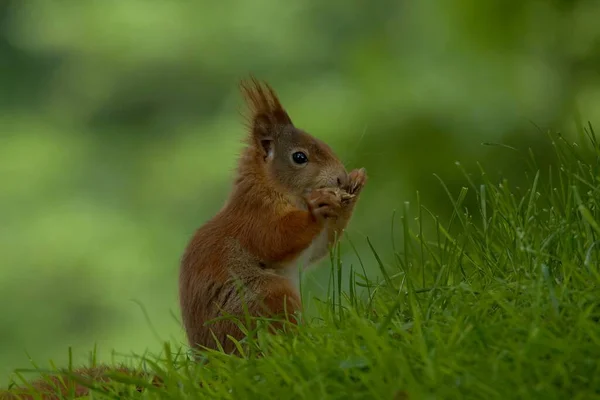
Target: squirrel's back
(220, 276)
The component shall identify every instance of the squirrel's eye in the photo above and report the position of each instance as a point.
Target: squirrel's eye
(299, 157)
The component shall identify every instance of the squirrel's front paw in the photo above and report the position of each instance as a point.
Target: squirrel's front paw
(357, 180)
(324, 203)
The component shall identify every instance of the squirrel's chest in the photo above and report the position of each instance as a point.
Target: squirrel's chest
(317, 250)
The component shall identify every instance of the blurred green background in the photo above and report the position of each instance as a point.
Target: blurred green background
(120, 125)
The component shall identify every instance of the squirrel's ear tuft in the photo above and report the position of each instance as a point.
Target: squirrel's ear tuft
(266, 113)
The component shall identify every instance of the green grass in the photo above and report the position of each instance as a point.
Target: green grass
(500, 301)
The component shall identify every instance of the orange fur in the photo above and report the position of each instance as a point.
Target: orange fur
(275, 212)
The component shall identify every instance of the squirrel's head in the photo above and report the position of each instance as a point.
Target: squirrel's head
(290, 156)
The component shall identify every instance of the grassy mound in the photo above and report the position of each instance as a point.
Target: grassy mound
(500, 301)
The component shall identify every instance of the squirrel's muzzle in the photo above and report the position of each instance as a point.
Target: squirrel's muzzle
(337, 178)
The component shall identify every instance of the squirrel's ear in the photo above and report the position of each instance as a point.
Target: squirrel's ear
(267, 116)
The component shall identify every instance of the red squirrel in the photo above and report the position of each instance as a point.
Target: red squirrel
(291, 200)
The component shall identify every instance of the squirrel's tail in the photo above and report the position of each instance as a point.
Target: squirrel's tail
(56, 387)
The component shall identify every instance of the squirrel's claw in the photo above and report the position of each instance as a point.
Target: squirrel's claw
(324, 203)
(358, 179)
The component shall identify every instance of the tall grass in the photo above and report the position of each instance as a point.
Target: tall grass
(502, 300)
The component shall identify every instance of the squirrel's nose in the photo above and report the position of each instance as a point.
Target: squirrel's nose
(342, 180)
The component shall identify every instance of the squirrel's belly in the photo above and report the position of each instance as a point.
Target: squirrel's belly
(317, 250)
